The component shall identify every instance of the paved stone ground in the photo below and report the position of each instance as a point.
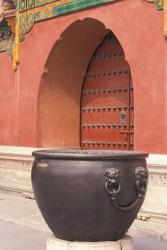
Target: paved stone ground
(23, 228)
(17, 237)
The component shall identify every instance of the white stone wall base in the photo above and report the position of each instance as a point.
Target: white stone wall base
(56, 244)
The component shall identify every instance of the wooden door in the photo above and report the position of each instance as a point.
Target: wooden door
(107, 100)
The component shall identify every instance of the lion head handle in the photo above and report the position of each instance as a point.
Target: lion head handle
(141, 174)
(112, 185)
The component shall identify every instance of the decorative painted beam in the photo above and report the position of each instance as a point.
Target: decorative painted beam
(46, 9)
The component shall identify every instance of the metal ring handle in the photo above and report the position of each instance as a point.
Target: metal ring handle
(112, 186)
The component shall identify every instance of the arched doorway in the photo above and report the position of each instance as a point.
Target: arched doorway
(107, 112)
(104, 95)
(59, 96)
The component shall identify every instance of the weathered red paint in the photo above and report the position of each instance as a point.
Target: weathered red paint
(138, 26)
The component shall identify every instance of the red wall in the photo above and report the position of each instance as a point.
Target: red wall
(139, 28)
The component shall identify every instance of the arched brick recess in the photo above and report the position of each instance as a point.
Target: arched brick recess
(58, 109)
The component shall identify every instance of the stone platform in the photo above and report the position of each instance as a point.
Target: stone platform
(56, 244)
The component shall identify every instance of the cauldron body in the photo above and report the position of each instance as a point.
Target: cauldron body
(89, 195)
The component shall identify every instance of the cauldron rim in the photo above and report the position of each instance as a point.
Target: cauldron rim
(67, 153)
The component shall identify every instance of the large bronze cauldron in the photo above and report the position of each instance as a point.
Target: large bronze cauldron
(89, 195)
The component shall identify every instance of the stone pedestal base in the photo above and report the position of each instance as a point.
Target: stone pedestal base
(56, 244)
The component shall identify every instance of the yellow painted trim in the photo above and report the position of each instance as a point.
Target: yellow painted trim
(13, 59)
(165, 18)
(17, 40)
(15, 55)
(16, 45)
